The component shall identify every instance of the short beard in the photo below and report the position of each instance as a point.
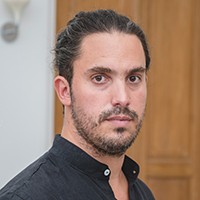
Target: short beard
(100, 144)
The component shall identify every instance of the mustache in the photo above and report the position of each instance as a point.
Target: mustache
(117, 111)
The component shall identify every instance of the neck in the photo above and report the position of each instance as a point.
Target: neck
(113, 162)
(117, 181)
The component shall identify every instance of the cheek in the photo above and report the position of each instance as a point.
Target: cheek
(143, 96)
(90, 101)
(139, 101)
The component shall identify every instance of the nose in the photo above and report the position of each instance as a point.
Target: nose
(120, 95)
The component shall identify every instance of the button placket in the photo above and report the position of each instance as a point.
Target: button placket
(107, 172)
(134, 172)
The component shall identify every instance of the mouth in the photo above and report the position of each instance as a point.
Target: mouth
(119, 120)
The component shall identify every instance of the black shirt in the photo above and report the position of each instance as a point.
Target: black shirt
(66, 172)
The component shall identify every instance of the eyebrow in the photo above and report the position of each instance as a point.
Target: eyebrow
(101, 69)
(137, 69)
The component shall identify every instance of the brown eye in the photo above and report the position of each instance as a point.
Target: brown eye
(99, 79)
(134, 79)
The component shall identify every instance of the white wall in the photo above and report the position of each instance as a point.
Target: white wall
(26, 88)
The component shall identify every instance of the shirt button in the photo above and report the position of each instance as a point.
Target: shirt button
(106, 172)
(134, 172)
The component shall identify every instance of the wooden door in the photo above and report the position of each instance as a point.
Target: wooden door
(168, 147)
(172, 124)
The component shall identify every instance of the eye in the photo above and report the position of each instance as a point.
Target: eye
(99, 79)
(134, 79)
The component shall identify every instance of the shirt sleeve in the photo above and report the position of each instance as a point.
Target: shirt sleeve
(14, 195)
(11, 197)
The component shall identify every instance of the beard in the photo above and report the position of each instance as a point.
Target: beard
(100, 139)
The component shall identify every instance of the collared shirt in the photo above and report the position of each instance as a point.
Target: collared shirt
(66, 172)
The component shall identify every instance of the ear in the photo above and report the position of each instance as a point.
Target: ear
(62, 89)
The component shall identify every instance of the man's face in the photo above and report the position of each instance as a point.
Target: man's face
(109, 91)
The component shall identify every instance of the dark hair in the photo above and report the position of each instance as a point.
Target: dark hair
(85, 23)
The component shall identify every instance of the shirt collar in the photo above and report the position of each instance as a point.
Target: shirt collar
(72, 155)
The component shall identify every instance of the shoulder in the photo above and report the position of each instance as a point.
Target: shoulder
(143, 190)
(15, 195)
(24, 183)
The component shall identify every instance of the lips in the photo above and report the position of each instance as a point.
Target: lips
(118, 118)
(118, 114)
(119, 121)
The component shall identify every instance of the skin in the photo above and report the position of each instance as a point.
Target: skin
(109, 76)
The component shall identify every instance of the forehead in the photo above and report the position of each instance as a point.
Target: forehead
(111, 39)
(111, 49)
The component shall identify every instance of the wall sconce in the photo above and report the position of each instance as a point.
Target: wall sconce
(9, 30)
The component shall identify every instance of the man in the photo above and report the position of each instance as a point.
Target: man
(102, 60)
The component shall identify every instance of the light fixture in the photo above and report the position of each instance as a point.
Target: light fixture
(9, 30)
